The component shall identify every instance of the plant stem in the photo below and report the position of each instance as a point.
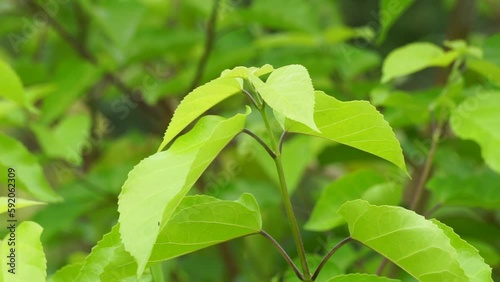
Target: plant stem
(327, 257)
(283, 253)
(261, 142)
(286, 200)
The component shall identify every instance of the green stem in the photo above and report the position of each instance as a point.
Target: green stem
(157, 273)
(286, 200)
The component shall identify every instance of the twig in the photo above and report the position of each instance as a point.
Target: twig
(382, 265)
(261, 142)
(282, 140)
(327, 257)
(209, 43)
(283, 253)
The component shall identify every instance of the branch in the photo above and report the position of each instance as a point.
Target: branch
(283, 253)
(209, 43)
(261, 142)
(282, 140)
(325, 259)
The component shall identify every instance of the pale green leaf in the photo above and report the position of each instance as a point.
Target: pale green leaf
(357, 124)
(360, 277)
(11, 87)
(19, 203)
(486, 69)
(66, 273)
(389, 13)
(243, 72)
(202, 221)
(158, 183)
(364, 184)
(415, 57)
(478, 118)
(289, 91)
(471, 262)
(197, 102)
(30, 262)
(413, 243)
(29, 174)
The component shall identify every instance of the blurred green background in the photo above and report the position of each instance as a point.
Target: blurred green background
(104, 77)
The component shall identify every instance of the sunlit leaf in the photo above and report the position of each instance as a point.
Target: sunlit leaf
(360, 277)
(289, 91)
(416, 57)
(468, 256)
(157, 184)
(389, 13)
(357, 124)
(19, 203)
(30, 262)
(413, 243)
(478, 118)
(197, 102)
(29, 174)
(363, 184)
(202, 221)
(11, 87)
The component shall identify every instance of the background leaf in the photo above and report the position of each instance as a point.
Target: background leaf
(357, 124)
(11, 87)
(413, 243)
(416, 57)
(157, 184)
(356, 185)
(478, 118)
(389, 13)
(29, 174)
(20, 203)
(201, 221)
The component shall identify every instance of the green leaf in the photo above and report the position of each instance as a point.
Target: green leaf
(244, 72)
(356, 185)
(416, 57)
(471, 262)
(30, 262)
(357, 124)
(201, 221)
(413, 243)
(66, 273)
(20, 203)
(290, 92)
(11, 87)
(66, 140)
(478, 118)
(158, 183)
(197, 102)
(491, 47)
(389, 13)
(361, 277)
(118, 20)
(485, 68)
(29, 174)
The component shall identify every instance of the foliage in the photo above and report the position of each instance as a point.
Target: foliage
(249, 141)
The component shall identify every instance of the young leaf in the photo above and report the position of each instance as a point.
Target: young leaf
(356, 185)
(289, 91)
(389, 13)
(478, 118)
(360, 277)
(416, 57)
(357, 124)
(66, 273)
(30, 262)
(11, 87)
(413, 243)
(243, 72)
(201, 221)
(197, 102)
(471, 262)
(29, 174)
(158, 183)
(20, 203)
